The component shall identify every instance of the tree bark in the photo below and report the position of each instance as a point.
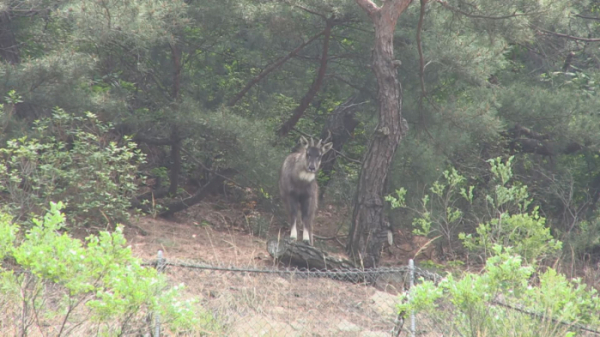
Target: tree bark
(523, 139)
(368, 231)
(314, 88)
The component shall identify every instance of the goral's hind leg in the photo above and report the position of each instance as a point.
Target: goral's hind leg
(294, 232)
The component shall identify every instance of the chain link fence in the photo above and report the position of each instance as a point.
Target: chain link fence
(246, 301)
(295, 302)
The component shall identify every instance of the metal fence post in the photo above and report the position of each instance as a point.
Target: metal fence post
(411, 268)
(160, 266)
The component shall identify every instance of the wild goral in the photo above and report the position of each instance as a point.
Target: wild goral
(298, 184)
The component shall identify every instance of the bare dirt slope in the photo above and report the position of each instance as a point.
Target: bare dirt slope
(263, 304)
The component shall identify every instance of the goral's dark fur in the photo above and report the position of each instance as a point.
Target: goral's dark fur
(298, 185)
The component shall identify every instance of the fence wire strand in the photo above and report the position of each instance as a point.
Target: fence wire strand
(262, 301)
(255, 304)
(350, 275)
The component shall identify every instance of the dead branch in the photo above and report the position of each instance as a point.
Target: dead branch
(362, 89)
(270, 68)
(567, 36)
(199, 162)
(478, 16)
(307, 10)
(587, 17)
(213, 185)
(518, 130)
(316, 85)
(153, 141)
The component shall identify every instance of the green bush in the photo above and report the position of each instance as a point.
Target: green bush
(70, 159)
(503, 216)
(510, 222)
(526, 233)
(60, 286)
(504, 300)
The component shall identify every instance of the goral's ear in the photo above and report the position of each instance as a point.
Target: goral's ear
(326, 147)
(303, 142)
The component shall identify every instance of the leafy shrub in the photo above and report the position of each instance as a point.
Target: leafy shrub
(70, 159)
(504, 218)
(510, 223)
(61, 286)
(439, 213)
(526, 233)
(503, 301)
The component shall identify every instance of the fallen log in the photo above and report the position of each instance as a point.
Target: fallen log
(213, 185)
(302, 255)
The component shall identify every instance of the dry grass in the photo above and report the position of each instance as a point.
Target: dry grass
(19, 318)
(299, 306)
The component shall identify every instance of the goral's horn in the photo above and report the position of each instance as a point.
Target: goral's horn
(328, 136)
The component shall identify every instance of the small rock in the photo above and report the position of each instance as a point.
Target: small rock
(298, 325)
(253, 326)
(374, 334)
(348, 327)
(278, 310)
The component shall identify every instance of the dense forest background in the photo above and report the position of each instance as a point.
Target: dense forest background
(223, 89)
(114, 108)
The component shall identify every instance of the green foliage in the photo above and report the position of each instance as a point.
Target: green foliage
(526, 233)
(98, 286)
(505, 218)
(71, 158)
(8, 234)
(439, 212)
(101, 283)
(510, 223)
(13, 98)
(504, 301)
(139, 63)
(397, 200)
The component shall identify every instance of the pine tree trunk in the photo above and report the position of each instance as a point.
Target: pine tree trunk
(368, 232)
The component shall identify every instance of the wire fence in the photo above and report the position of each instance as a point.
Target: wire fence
(251, 301)
(296, 302)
